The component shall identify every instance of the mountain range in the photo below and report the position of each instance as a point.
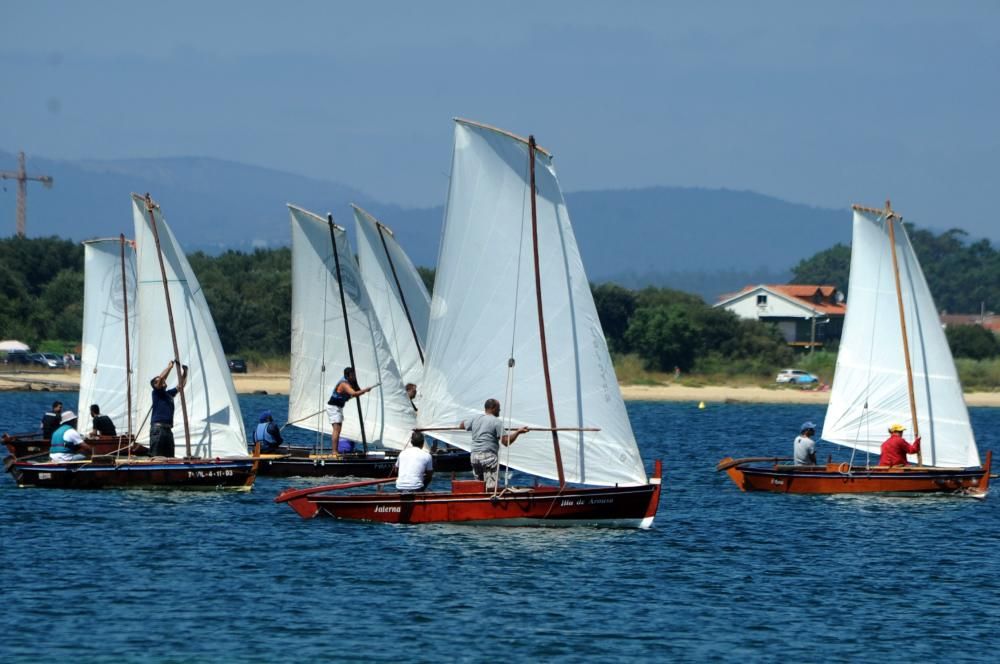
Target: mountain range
(701, 240)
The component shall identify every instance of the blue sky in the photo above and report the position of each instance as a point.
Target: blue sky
(826, 104)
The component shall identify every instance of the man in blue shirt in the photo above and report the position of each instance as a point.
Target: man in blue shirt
(161, 436)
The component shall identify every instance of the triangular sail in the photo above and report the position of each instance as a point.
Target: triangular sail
(216, 424)
(484, 311)
(319, 341)
(402, 304)
(870, 387)
(102, 360)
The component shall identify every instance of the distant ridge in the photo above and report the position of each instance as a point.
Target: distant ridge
(702, 240)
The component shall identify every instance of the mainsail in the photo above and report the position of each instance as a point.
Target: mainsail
(397, 293)
(484, 312)
(870, 384)
(102, 360)
(215, 421)
(319, 340)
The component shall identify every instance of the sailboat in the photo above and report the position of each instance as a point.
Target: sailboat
(512, 315)
(402, 307)
(173, 322)
(334, 326)
(108, 293)
(894, 365)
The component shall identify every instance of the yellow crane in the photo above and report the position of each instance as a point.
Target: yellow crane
(22, 177)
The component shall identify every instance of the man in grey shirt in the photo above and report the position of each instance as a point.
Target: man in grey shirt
(805, 446)
(487, 437)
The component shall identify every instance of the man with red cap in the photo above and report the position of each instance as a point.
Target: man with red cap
(895, 448)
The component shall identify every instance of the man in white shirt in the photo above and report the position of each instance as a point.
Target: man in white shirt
(414, 467)
(804, 447)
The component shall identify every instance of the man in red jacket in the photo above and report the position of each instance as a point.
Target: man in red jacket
(895, 449)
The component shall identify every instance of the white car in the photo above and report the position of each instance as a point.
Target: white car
(796, 376)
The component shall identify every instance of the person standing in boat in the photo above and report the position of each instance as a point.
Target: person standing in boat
(414, 466)
(804, 447)
(345, 388)
(487, 437)
(161, 435)
(52, 420)
(895, 448)
(67, 443)
(102, 424)
(267, 433)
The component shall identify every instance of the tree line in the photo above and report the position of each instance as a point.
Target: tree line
(41, 295)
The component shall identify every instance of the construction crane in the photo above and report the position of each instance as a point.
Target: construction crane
(22, 178)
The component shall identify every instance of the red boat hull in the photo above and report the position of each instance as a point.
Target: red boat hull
(833, 478)
(469, 503)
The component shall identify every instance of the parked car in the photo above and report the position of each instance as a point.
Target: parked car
(795, 376)
(17, 357)
(237, 365)
(48, 360)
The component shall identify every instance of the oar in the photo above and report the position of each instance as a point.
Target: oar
(290, 494)
(739, 462)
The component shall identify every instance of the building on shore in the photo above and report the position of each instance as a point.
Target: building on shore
(807, 316)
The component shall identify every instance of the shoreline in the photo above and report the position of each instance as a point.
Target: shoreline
(278, 383)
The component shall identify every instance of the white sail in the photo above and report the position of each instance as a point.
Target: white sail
(395, 289)
(870, 387)
(483, 312)
(319, 341)
(214, 418)
(102, 360)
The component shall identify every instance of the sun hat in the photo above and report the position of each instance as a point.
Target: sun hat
(67, 416)
(893, 428)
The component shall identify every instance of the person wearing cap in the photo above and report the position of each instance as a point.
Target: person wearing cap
(414, 466)
(895, 448)
(804, 447)
(67, 443)
(267, 433)
(161, 435)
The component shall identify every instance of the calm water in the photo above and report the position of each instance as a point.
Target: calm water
(177, 576)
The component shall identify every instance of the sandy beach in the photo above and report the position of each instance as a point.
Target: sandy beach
(278, 383)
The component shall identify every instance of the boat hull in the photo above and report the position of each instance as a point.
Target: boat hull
(23, 446)
(172, 474)
(834, 478)
(375, 466)
(469, 503)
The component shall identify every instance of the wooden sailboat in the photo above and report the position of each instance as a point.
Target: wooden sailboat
(334, 326)
(512, 316)
(894, 365)
(402, 306)
(173, 322)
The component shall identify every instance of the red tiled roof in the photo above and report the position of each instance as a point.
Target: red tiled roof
(989, 321)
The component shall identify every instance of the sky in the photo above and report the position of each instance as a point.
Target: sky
(826, 104)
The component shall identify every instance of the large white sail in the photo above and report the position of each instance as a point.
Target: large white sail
(102, 360)
(870, 387)
(214, 418)
(397, 293)
(483, 312)
(319, 341)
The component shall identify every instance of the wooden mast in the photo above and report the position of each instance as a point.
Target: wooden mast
(541, 319)
(399, 289)
(889, 216)
(347, 329)
(150, 206)
(128, 352)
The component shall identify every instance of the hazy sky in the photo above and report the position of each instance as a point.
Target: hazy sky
(825, 104)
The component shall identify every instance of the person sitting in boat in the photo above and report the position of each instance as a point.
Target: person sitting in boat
(414, 466)
(161, 436)
(267, 433)
(804, 447)
(102, 424)
(895, 448)
(345, 388)
(487, 437)
(67, 443)
(51, 420)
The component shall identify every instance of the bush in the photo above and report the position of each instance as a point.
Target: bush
(972, 341)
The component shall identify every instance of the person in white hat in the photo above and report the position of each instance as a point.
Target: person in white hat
(67, 443)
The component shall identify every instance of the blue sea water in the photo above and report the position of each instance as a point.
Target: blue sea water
(151, 576)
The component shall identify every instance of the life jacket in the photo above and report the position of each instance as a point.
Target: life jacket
(337, 398)
(262, 435)
(59, 444)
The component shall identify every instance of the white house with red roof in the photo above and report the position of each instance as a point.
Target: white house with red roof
(807, 316)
